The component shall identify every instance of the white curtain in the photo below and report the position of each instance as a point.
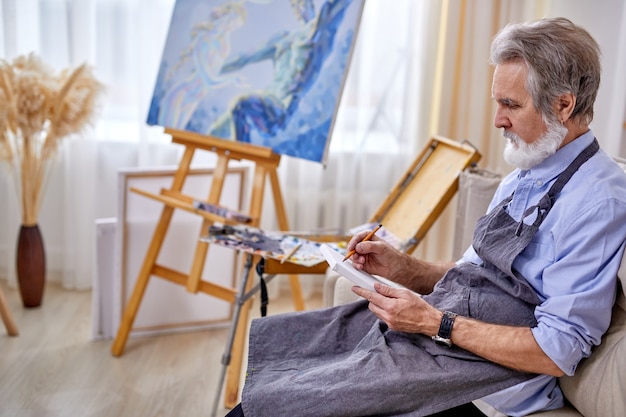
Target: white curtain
(381, 123)
(420, 68)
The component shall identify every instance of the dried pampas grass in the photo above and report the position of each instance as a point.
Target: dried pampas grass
(38, 109)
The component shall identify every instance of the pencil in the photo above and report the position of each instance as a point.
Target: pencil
(365, 239)
(291, 253)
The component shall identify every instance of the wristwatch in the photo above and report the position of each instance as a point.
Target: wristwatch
(445, 329)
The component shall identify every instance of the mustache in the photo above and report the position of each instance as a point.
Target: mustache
(512, 137)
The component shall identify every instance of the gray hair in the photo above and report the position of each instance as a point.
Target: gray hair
(561, 58)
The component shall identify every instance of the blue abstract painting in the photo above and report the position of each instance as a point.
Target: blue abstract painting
(265, 72)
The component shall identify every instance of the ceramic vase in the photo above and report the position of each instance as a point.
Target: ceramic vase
(31, 265)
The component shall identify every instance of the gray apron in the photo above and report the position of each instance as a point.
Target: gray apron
(345, 362)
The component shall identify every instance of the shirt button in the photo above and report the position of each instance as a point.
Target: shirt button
(539, 183)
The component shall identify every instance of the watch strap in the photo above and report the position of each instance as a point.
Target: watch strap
(445, 329)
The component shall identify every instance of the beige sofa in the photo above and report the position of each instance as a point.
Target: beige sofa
(598, 389)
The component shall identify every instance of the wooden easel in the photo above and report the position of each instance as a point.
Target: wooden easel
(414, 204)
(6, 315)
(266, 162)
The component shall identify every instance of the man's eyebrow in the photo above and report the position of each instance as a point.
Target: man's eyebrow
(507, 101)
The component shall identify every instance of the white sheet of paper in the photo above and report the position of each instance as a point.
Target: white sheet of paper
(345, 268)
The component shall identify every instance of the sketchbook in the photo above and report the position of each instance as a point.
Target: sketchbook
(345, 268)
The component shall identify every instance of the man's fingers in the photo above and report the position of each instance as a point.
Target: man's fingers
(382, 292)
(362, 292)
(386, 290)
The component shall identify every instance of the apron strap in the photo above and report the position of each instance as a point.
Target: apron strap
(546, 202)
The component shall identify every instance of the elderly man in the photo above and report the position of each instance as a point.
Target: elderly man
(524, 305)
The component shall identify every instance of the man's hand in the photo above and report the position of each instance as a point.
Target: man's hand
(514, 347)
(401, 309)
(378, 257)
(374, 256)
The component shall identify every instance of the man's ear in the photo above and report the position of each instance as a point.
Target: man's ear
(564, 107)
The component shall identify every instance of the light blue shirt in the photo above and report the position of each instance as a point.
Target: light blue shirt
(571, 262)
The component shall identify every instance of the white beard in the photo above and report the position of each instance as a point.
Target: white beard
(524, 155)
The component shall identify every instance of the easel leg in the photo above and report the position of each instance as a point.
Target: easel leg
(230, 342)
(283, 224)
(131, 309)
(202, 248)
(7, 317)
(296, 292)
(231, 394)
(151, 256)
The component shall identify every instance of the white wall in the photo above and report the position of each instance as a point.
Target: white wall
(606, 21)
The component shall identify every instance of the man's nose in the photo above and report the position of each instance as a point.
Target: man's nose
(500, 120)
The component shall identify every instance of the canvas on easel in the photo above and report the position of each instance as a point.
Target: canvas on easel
(264, 72)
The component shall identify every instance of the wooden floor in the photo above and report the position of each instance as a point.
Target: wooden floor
(53, 368)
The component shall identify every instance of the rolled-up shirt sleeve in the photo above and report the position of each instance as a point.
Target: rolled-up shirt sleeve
(579, 289)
